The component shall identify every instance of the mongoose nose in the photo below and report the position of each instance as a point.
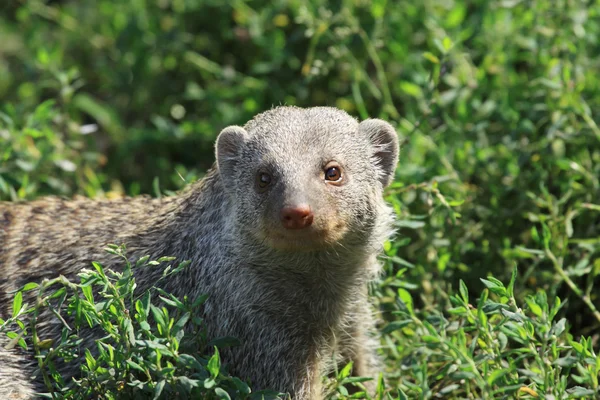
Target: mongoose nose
(297, 217)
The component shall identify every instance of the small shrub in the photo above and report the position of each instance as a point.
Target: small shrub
(145, 345)
(498, 348)
(128, 344)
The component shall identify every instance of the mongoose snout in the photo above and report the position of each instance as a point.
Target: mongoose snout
(296, 217)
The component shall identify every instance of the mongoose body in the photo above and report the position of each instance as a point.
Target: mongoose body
(282, 234)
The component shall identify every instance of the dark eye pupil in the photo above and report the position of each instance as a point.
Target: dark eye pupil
(333, 174)
(265, 179)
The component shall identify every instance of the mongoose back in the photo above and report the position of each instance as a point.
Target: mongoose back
(282, 234)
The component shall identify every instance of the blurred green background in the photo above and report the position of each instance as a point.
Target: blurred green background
(496, 102)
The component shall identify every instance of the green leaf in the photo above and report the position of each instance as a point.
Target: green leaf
(411, 89)
(99, 269)
(87, 293)
(534, 234)
(496, 375)
(406, 298)
(447, 44)
(222, 394)
(142, 261)
(187, 383)
(546, 236)
(502, 340)
(559, 327)
(159, 388)
(456, 15)
(241, 387)
(170, 302)
(158, 315)
(90, 360)
(430, 339)
(345, 372)
(214, 364)
(180, 324)
(129, 330)
(17, 304)
(449, 389)
(16, 338)
(456, 311)
(145, 304)
(402, 395)
(401, 261)
(135, 365)
(189, 362)
(513, 316)
(30, 286)
(579, 391)
(209, 383)
(395, 325)
(464, 291)
(566, 362)
(578, 348)
(154, 344)
(455, 203)
(510, 291)
(158, 195)
(203, 63)
(534, 307)
(431, 57)
(200, 300)
(494, 286)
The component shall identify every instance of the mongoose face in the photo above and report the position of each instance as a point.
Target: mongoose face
(305, 179)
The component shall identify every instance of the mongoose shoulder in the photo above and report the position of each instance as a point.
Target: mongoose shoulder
(282, 234)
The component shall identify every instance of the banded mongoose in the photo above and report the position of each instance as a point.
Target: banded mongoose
(282, 233)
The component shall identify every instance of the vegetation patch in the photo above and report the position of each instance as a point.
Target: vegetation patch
(497, 192)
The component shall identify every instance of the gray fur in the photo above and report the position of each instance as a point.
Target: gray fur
(292, 297)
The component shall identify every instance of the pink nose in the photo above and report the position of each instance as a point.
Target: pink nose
(297, 217)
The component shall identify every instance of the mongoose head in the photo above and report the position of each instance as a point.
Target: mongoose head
(304, 179)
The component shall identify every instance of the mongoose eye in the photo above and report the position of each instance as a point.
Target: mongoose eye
(333, 174)
(263, 180)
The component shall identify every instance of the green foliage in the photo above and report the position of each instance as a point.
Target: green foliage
(496, 102)
(495, 350)
(499, 349)
(38, 159)
(146, 342)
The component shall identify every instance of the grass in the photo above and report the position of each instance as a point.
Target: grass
(497, 191)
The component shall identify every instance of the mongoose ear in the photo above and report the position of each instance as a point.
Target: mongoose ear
(229, 144)
(384, 142)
